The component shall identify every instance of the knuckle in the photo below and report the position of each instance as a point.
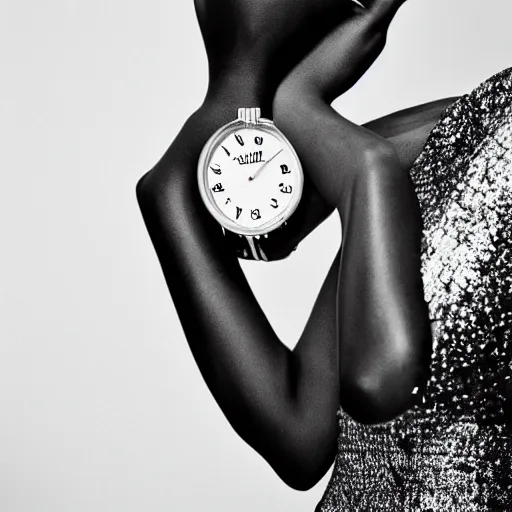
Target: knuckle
(151, 191)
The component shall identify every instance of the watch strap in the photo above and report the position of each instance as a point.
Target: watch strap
(258, 248)
(245, 246)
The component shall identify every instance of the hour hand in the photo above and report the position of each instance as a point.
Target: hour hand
(263, 166)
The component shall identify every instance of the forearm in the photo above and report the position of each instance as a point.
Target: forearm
(242, 361)
(250, 372)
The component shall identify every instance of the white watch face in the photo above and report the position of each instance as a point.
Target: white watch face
(250, 177)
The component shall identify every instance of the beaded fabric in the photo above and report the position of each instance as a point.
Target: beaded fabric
(453, 450)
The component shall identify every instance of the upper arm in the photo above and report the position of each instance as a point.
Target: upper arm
(409, 129)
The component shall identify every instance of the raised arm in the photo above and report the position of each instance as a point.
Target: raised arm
(383, 325)
(253, 377)
(282, 406)
(283, 403)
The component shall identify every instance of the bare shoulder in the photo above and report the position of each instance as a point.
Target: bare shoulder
(409, 129)
(411, 118)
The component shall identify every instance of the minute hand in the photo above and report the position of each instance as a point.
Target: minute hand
(263, 166)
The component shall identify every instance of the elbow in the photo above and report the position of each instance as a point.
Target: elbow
(156, 193)
(303, 460)
(140, 190)
(302, 475)
(145, 191)
(301, 482)
(369, 402)
(381, 395)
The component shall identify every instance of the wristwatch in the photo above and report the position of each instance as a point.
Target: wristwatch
(251, 181)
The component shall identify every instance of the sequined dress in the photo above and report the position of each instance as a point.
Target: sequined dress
(453, 450)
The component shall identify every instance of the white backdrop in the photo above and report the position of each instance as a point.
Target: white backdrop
(102, 407)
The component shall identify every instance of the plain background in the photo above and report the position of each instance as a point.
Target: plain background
(102, 407)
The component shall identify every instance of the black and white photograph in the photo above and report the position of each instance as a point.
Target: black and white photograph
(256, 256)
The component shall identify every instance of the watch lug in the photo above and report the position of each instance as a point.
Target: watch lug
(256, 249)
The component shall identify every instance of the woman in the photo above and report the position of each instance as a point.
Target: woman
(400, 440)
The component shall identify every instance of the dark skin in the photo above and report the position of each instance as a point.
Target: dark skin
(367, 341)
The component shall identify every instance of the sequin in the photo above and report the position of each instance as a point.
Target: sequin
(453, 450)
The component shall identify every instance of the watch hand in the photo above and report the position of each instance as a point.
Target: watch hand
(264, 165)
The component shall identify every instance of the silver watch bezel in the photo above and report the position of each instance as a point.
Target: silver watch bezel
(265, 125)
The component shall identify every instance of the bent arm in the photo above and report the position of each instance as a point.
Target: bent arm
(408, 131)
(283, 403)
(261, 387)
(283, 406)
(383, 326)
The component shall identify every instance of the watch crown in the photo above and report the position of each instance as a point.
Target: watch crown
(249, 115)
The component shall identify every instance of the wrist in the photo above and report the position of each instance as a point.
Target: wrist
(244, 87)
